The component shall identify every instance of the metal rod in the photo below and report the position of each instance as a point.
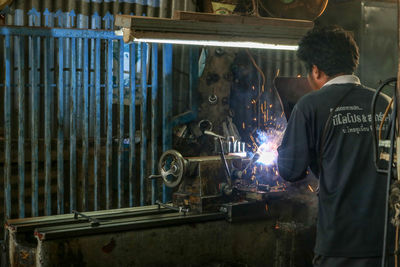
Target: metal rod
(34, 58)
(132, 125)
(121, 122)
(60, 133)
(167, 107)
(47, 128)
(193, 79)
(21, 125)
(72, 118)
(85, 126)
(154, 120)
(7, 126)
(143, 147)
(97, 125)
(109, 121)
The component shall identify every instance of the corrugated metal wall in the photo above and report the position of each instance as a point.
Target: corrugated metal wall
(152, 8)
(99, 14)
(93, 15)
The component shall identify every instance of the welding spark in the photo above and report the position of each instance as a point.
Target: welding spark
(267, 154)
(268, 148)
(311, 189)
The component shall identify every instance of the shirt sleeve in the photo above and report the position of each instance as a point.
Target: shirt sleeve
(294, 155)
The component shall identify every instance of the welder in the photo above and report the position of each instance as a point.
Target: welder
(329, 132)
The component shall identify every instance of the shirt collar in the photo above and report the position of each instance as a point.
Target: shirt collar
(343, 79)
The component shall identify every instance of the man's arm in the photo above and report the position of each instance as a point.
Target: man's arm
(294, 152)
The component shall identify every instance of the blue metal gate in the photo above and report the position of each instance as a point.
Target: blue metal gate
(85, 117)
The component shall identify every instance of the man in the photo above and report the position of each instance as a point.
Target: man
(330, 131)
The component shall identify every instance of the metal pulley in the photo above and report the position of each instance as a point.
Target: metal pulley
(294, 9)
(172, 167)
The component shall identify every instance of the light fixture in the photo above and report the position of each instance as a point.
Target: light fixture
(215, 30)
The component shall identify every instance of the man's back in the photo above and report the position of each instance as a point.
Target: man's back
(352, 193)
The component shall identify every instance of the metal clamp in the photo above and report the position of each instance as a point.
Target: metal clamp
(93, 221)
(178, 209)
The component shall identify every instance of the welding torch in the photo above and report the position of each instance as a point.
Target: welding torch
(239, 173)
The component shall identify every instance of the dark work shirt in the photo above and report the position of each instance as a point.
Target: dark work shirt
(352, 193)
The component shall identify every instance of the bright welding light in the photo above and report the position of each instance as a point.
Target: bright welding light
(268, 154)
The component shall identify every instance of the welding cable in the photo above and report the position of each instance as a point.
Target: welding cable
(384, 117)
(373, 122)
(264, 81)
(389, 176)
(259, 70)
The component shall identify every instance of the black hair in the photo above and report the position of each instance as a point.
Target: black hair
(332, 49)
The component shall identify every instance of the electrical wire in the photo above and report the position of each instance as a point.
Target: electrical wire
(373, 123)
(264, 80)
(384, 118)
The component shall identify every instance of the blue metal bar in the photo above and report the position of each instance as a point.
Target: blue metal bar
(34, 58)
(97, 125)
(58, 32)
(72, 118)
(85, 137)
(132, 126)
(21, 124)
(47, 129)
(92, 99)
(167, 107)
(143, 147)
(109, 121)
(154, 120)
(7, 127)
(121, 121)
(60, 132)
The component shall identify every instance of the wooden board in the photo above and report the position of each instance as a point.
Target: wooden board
(234, 28)
(236, 19)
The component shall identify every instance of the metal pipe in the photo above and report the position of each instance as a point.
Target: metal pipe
(121, 122)
(143, 147)
(154, 120)
(167, 107)
(109, 121)
(85, 126)
(72, 119)
(47, 128)
(35, 60)
(97, 148)
(132, 125)
(7, 126)
(60, 133)
(21, 124)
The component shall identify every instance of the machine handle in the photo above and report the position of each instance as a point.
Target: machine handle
(155, 176)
